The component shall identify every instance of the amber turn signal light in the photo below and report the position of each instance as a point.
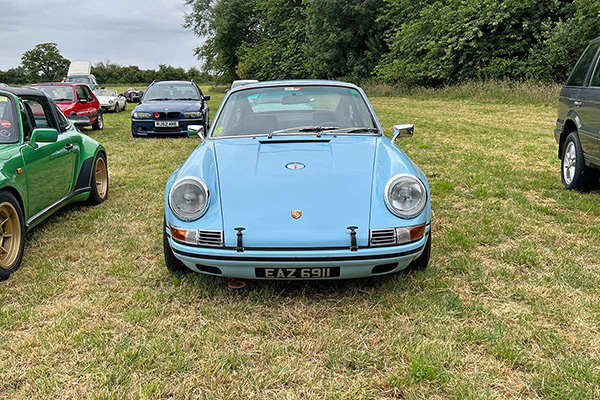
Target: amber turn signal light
(417, 232)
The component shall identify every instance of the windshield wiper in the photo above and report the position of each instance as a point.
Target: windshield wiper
(187, 98)
(160, 99)
(350, 130)
(301, 129)
(63, 99)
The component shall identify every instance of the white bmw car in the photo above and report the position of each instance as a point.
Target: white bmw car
(110, 100)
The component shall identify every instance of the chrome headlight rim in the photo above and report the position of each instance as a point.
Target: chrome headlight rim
(180, 182)
(391, 182)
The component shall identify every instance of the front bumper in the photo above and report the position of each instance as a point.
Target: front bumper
(146, 126)
(353, 264)
(107, 107)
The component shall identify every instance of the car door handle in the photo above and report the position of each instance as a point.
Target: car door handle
(69, 146)
(578, 103)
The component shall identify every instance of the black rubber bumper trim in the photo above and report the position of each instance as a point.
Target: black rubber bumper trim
(233, 257)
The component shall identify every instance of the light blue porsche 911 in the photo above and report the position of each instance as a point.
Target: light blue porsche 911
(295, 180)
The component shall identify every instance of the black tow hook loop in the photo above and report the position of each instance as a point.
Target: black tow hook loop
(240, 240)
(353, 245)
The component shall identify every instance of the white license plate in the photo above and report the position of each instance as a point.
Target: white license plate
(297, 273)
(166, 124)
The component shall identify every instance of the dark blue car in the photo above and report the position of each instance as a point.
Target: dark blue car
(168, 108)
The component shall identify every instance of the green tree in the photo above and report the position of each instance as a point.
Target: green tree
(278, 49)
(226, 24)
(345, 38)
(45, 62)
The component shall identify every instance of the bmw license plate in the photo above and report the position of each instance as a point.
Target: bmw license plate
(166, 124)
(297, 273)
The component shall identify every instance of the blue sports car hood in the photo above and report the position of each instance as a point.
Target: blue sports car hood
(261, 192)
(166, 106)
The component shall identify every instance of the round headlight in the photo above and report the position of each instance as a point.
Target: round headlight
(405, 195)
(188, 198)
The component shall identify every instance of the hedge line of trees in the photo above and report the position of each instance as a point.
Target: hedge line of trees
(44, 63)
(415, 42)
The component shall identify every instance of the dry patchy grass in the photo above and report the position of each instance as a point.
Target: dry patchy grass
(508, 308)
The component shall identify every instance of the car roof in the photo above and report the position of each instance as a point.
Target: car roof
(25, 91)
(188, 82)
(299, 82)
(58, 84)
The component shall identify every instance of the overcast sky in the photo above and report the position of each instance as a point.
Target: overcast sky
(128, 32)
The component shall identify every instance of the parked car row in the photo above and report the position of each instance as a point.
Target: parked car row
(294, 180)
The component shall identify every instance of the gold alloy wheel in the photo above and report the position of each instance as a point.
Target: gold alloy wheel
(10, 235)
(101, 177)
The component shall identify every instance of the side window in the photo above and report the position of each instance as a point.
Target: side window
(38, 113)
(580, 70)
(63, 122)
(88, 93)
(80, 93)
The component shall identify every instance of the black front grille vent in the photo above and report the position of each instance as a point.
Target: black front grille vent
(210, 238)
(383, 237)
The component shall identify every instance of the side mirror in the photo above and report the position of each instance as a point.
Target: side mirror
(43, 135)
(136, 99)
(194, 130)
(206, 98)
(405, 130)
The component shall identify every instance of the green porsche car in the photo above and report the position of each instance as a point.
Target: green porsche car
(45, 163)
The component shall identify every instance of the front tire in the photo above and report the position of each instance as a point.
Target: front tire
(12, 234)
(575, 175)
(99, 191)
(117, 108)
(173, 263)
(99, 124)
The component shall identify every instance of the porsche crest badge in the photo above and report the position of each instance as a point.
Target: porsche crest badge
(296, 214)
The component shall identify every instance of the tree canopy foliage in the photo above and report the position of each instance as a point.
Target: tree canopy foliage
(45, 61)
(418, 42)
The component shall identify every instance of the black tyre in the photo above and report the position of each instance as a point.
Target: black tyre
(99, 191)
(117, 108)
(173, 263)
(12, 234)
(125, 106)
(575, 175)
(420, 263)
(99, 124)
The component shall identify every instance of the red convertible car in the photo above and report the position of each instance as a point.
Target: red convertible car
(75, 99)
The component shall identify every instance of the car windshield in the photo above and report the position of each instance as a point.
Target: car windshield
(8, 121)
(171, 91)
(79, 79)
(105, 92)
(293, 110)
(60, 94)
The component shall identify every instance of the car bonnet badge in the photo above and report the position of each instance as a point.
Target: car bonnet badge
(295, 165)
(296, 214)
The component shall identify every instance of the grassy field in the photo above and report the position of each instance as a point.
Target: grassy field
(508, 309)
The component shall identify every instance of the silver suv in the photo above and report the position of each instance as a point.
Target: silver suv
(578, 125)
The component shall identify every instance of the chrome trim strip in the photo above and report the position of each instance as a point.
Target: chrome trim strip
(57, 204)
